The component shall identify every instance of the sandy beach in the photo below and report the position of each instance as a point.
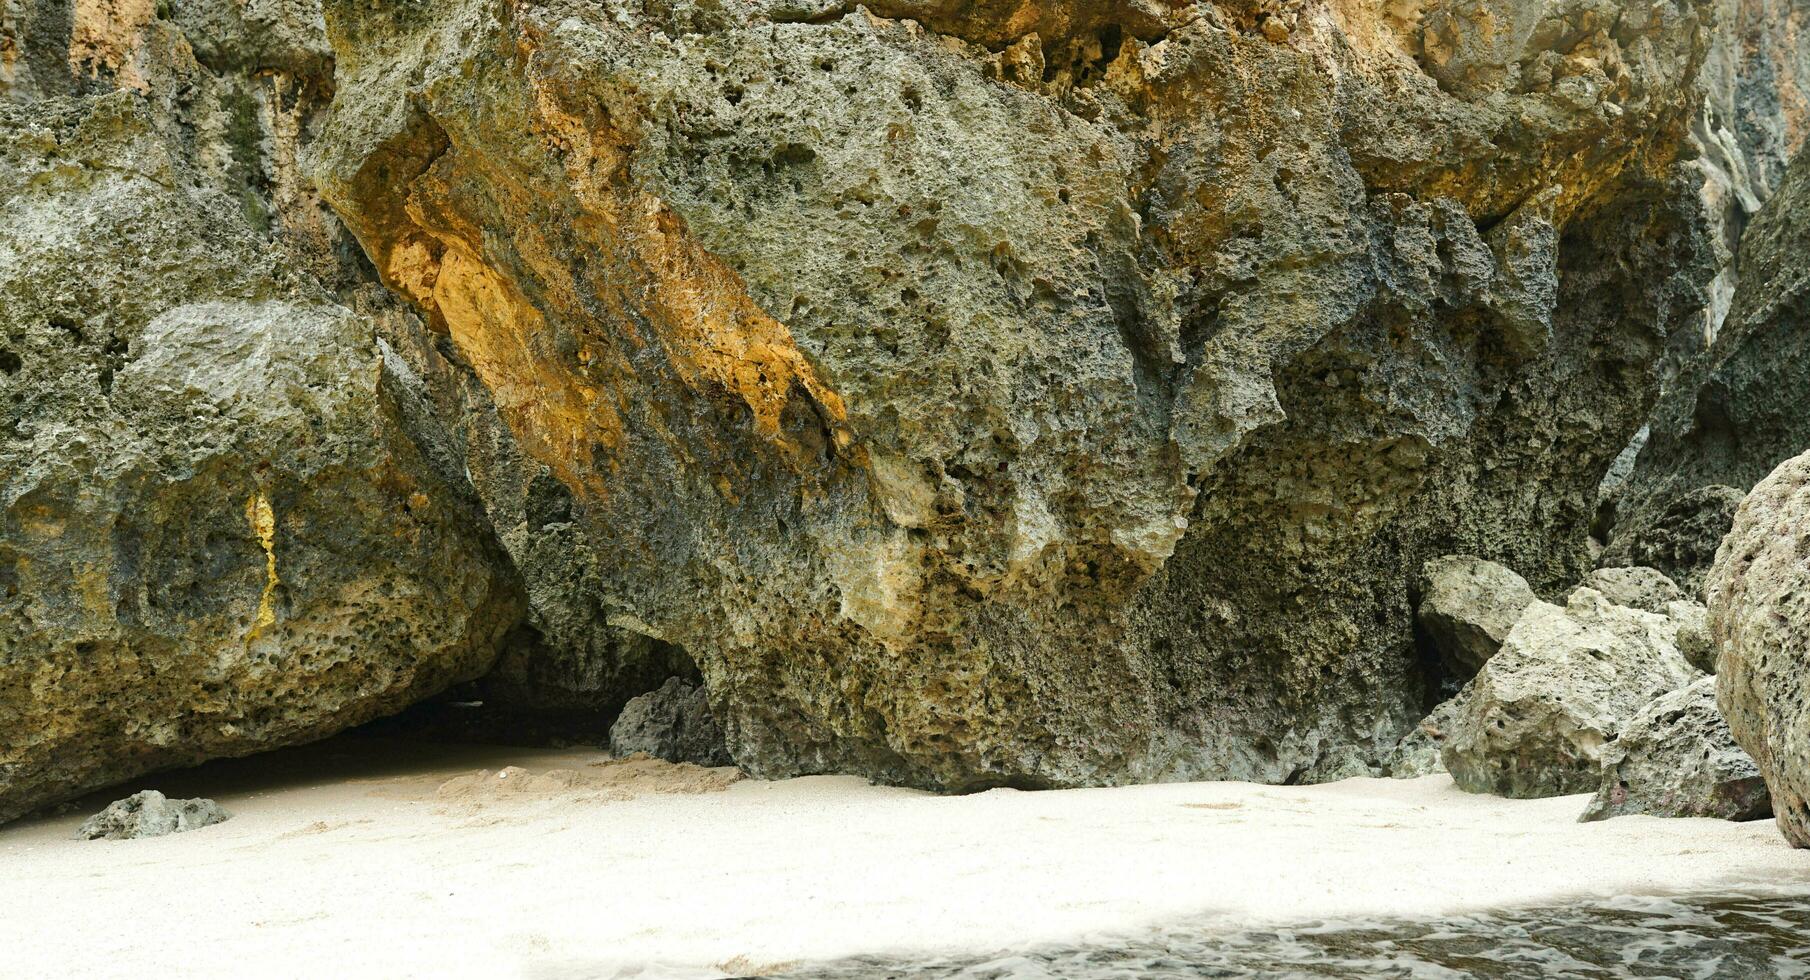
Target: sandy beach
(364, 857)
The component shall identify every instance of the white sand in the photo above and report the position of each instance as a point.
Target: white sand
(342, 861)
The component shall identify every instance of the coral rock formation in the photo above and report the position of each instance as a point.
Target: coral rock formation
(1734, 413)
(216, 536)
(1045, 394)
(1468, 609)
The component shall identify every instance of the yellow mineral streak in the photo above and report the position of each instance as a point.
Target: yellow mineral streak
(713, 330)
(263, 523)
(558, 417)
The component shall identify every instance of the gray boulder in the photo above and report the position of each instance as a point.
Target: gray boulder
(1694, 638)
(673, 723)
(1677, 758)
(1650, 590)
(150, 814)
(1537, 718)
(1759, 604)
(1468, 608)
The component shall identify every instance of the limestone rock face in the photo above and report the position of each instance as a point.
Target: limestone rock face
(1677, 758)
(1469, 607)
(1759, 602)
(673, 723)
(567, 672)
(216, 536)
(1039, 394)
(1733, 414)
(1539, 716)
(151, 814)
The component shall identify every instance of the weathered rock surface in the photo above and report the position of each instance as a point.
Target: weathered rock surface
(1538, 717)
(236, 89)
(1468, 608)
(1420, 752)
(1049, 396)
(1757, 77)
(1639, 588)
(1759, 601)
(216, 536)
(673, 723)
(1649, 590)
(151, 814)
(1734, 414)
(568, 671)
(1677, 758)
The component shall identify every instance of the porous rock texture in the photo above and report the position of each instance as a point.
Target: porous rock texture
(1759, 602)
(1677, 758)
(1468, 608)
(1640, 588)
(217, 535)
(151, 814)
(1648, 589)
(1043, 394)
(1421, 751)
(1537, 719)
(672, 723)
(1734, 413)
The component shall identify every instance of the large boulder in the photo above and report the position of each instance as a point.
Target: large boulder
(1468, 608)
(1759, 601)
(236, 89)
(1538, 718)
(672, 723)
(1677, 758)
(216, 534)
(1054, 394)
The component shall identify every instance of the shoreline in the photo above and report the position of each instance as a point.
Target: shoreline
(347, 856)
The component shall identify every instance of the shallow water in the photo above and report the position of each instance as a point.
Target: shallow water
(1701, 938)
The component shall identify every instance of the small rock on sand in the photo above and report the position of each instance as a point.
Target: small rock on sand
(150, 814)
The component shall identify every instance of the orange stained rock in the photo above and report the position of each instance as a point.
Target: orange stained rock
(106, 35)
(562, 405)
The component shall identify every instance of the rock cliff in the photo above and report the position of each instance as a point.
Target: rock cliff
(1061, 392)
(1049, 395)
(1734, 413)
